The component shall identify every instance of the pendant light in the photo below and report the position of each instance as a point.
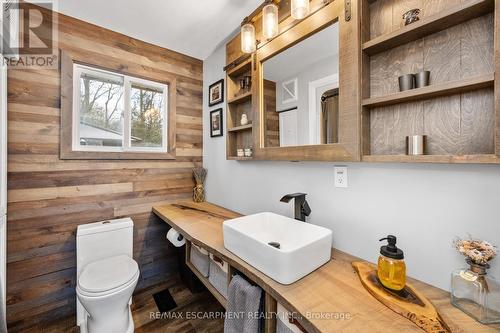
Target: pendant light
(248, 44)
(300, 9)
(270, 20)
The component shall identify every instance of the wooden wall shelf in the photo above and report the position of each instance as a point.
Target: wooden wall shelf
(237, 158)
(241, 68)
(445, 19)
(241, 128)
(239, 102)
(442, 89)
(447, 159)
(240, 98)
(457, 41)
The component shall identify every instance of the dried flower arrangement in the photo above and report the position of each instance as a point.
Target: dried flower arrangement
(199, 191)
(478, 251)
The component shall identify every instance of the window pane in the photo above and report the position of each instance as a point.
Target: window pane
(147, 116)
(101, 110)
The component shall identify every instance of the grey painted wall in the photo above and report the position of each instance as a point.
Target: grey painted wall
(426, 206)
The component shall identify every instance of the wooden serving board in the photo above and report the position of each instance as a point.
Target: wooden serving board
(408, 302)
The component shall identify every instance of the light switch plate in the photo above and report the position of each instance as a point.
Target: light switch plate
(341, 177)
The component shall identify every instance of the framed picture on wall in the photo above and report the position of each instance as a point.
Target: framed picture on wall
(216, 93)
(216, 123)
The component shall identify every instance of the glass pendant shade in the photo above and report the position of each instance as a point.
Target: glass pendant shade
(248, 38)
(300, 9)
(270, 21)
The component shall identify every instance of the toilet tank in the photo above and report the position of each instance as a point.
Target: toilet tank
(102, 240)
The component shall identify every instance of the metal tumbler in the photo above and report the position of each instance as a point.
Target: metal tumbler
(406, 82)
(422, 79)
(415, 144)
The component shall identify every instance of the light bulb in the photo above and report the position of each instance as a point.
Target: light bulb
(248, 38)
(270, 21)
(300, 9)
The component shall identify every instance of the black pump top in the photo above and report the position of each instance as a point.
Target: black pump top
(391, 250)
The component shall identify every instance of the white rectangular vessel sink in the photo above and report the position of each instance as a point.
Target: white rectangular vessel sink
(280, 247)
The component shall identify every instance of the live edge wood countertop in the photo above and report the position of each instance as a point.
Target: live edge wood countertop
(333, 288)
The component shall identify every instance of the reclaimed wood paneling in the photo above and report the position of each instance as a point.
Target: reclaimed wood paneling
(49, 197)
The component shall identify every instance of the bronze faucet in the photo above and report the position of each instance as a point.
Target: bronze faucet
(302, 208)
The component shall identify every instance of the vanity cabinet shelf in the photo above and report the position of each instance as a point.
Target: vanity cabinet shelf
(436, 90)
(447, 18)
(270, 304)
(222, 300)
(241, 128)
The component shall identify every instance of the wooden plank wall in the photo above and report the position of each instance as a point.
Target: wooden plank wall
(49, 197)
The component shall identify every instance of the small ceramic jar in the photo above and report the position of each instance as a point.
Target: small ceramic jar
(240, 152)
(248, 152)
(244, 119)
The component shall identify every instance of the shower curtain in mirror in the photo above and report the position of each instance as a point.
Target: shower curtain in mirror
(329, 119)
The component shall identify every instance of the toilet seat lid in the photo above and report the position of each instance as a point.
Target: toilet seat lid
(107, 274)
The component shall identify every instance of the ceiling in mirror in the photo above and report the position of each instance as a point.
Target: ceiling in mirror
(321, 46)
(301, 92)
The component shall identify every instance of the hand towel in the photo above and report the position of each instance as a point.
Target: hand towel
(243, 307)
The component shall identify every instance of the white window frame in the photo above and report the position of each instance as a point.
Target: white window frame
(293, 94)
(128, 81)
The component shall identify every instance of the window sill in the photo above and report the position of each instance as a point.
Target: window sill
(98, 155)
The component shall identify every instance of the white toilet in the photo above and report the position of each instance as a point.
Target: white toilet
(106, 276)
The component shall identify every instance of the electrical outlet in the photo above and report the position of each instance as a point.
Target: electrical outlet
(341, 177)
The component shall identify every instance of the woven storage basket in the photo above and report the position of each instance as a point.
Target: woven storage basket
(199, 258)
(283, 325)
(218, 274)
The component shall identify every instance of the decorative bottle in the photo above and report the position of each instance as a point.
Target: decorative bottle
(476, 293)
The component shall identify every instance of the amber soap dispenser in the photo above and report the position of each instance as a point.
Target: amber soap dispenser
(391, 266)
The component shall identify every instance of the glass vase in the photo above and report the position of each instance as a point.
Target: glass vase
(476, 293)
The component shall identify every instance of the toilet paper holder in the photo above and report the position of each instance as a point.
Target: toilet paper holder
(176, 238)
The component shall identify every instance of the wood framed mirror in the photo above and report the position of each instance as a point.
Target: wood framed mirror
(306, 91)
